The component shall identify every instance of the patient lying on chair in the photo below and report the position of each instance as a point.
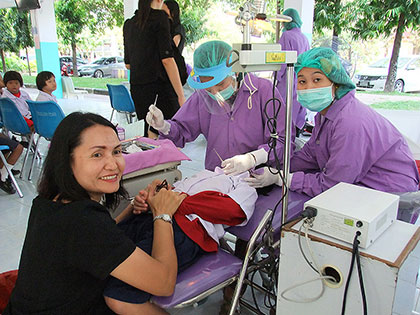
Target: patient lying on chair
(214, 201)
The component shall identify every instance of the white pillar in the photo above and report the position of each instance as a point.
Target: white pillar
(45, 37)
(130, 6)
(306, 12)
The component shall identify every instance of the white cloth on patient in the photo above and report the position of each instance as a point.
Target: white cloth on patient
(233, 186)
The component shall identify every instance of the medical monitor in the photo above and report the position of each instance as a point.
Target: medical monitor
(24, 5)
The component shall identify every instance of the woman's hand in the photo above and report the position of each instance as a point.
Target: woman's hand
(163, 202)
(139, 202)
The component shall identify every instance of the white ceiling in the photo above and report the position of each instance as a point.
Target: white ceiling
(7, 4)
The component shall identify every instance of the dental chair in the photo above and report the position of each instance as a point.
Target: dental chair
(215, 271)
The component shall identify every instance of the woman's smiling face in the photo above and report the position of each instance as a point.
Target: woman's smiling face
(97, 163)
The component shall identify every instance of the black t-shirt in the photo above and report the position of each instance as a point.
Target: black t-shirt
(69, 251)
(145, 48)
(178, 30)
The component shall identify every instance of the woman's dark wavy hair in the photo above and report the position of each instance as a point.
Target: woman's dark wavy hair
(174, 9)
(57, 179)
(143, 13)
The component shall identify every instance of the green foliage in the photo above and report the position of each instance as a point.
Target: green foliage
(21, 24)
(71, 18)
(336, 15)
(193, 18)
(104, 13)
(380, 17)
(6, 31)
(193, 21)
(13, 62)
(400, 105)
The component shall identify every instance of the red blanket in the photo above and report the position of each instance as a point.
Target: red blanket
(7, 283)
(211, 206)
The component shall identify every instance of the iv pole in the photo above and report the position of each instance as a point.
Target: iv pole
(245, 15)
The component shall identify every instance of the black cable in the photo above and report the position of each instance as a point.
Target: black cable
(355, 257)
(362, 287)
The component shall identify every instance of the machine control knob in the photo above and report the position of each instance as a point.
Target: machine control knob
(359, 224)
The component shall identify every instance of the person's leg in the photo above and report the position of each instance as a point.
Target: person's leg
(14, 156)
(120, 307)
(11, 158)
(143, 96)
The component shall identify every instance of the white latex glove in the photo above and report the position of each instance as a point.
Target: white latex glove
(155, 119)
(238, 164)
(244, 162)
(267, 178)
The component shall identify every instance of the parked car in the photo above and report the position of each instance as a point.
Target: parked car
(66, 63)
(374, 76)
(102, 67)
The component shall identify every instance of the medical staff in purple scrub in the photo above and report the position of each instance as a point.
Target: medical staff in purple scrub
(350, 143)
(231, 116)
(292, 38)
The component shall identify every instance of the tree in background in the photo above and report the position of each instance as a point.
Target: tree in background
(193, 18)
(384, 17)
(71, 18)
(74, 15)
(335, 15)
(21, 24)
(7, 37)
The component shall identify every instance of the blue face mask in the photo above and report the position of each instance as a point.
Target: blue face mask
(222, 95)
(315, 99)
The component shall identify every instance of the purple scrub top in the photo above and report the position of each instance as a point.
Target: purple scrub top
(356, 145)
(292, 40)
(238, 132)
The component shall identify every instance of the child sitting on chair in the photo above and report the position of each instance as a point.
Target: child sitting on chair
(45, 82)
(13, 82)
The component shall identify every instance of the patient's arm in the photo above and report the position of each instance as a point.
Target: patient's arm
(137, 206)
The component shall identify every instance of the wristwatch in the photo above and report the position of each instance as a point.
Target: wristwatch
(164, 217)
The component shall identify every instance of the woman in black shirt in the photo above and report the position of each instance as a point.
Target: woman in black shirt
(171, 8)
(72, 244)
(149, 56)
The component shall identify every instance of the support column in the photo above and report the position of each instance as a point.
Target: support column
(130, 6)
(45, 37)
(306, 12)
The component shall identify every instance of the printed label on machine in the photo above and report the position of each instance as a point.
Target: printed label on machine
(275, 57)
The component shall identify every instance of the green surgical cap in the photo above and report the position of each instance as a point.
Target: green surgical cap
(296, 21)
(211, 54)
(328, 62)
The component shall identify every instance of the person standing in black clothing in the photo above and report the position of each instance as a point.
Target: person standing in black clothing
(171, 8)
(149, 56)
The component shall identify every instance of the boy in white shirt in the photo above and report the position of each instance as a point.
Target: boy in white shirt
(13, 82)
(45, 82)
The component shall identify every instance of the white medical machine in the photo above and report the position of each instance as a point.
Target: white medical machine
(346, 209)
(390, 269)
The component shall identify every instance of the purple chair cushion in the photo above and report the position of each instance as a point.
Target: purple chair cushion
(209, 271)
(264, 203)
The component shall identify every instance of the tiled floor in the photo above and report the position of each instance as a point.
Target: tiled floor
(14, 211)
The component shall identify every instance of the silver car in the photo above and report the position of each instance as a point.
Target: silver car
(374, 76)
(102, 67)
